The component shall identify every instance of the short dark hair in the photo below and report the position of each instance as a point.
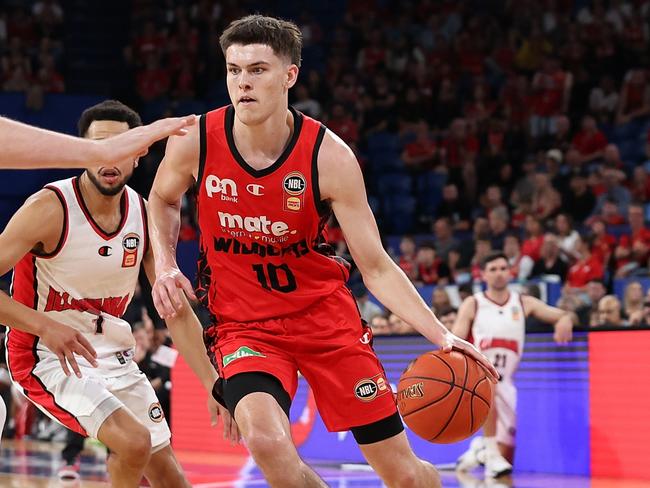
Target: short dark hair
(283, 36)
(108, 110)
(492, 256)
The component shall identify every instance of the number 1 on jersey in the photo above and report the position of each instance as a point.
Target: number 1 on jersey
(273, 281)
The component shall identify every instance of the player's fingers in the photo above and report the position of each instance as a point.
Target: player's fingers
(73, 364)
(166, 292)
(64, 364)
(157, 303)
(86, 349)
(187, 287)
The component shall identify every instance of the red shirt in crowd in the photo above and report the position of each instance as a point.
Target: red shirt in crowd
(456, 149)
(588, 143)
(642, 236)
(346, 128)
(584, 271)
(603, 246)
(549, 100)
(532, 247)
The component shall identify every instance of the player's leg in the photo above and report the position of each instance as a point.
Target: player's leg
(495, 464)
(129, 443)
(260, 406)
(391, 456)
(506, 422)
(137, 394)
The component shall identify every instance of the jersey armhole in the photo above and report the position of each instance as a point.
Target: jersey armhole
(145, 224)
(321, 207)
(203, 148)
(64, 230)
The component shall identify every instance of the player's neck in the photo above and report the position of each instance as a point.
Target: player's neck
(261, 145)
(498, 296)
(98, 204)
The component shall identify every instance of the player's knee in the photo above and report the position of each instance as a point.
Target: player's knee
(267, 446)
(416, 474)
(138, 448)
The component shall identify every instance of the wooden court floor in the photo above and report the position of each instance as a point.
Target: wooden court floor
(29, 464)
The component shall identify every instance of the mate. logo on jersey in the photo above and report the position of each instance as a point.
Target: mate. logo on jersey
(130, 243)
(294, 185)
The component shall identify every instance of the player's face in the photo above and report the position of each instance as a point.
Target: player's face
(497, 274)
(109, 180)
(258, 81)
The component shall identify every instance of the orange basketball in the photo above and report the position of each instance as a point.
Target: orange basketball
(444, 397)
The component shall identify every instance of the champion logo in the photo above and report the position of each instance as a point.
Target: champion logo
(105, 251)
(253, 189)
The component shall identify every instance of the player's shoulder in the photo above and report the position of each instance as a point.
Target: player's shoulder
(334, 155)
(45, 203)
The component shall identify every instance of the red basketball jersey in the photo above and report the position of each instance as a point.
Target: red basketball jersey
(261, 230)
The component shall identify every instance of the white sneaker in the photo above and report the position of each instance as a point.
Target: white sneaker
(496, 465)
(473, 457)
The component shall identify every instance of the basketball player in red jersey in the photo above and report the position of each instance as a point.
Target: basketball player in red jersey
(76, 248)
(267, 177)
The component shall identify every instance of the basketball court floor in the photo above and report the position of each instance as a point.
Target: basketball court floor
(28, 464)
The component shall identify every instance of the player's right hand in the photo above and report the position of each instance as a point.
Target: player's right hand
(167, 289)
(65, 342)
(230, 429)
(135, 142)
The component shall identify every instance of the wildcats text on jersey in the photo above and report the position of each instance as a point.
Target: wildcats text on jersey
(59, 301)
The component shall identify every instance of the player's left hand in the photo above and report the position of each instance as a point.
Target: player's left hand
(230, 429)
(451, 341)
(563, 330)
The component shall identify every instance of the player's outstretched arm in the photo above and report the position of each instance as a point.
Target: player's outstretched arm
(25, 146)
(187, 335)
(176, 173)
(341, 183)
(39, 219)
(466, 312)
(562, 321)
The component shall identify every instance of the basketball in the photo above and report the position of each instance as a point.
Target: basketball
(444, 397)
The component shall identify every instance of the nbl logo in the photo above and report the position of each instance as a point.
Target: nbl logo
(294, 183)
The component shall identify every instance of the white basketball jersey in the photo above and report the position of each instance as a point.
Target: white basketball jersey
(88, 281)
(499, 331)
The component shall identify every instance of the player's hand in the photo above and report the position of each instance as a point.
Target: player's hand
(563, 330)
(135, 142)
(452, 341)
(170, 283)
(65, 342)
(230, 429)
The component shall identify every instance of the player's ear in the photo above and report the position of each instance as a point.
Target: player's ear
(292, 76)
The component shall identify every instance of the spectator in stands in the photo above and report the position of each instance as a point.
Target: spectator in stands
(552, 89)
(153, 81)
(561, 139)
(567, 236)
(49, 16)
(460, 149)
(614, 191)
(447, 316)
(445, 240)
(408, 257)
(579, 201)
(422, 153)
(482, 248)
(633, 298)
(644, 319)
(532, 246)
(640, 185)
(399, 326)
(603, 100)
(634, 101)
(633, 249)
(380, 325)
(590, 142)
(588, 311)
(609, 312)
(367, 308)
(550, 262)
(305, 103)
(546, 199)
(453, 208)
(520, 266)
(431, 268)
(498, 220)
(343, 125)
(586, 269)
(440, 299)
(603, 244)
